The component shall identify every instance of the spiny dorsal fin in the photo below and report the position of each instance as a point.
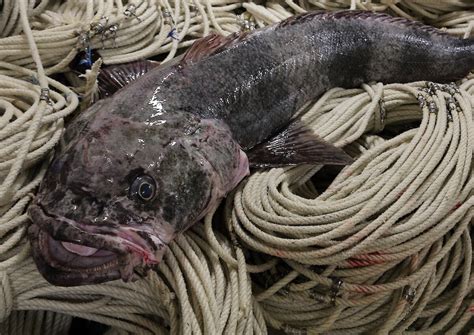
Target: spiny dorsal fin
(360, 15)
(210, 45)
(114, 77)
(296, 144)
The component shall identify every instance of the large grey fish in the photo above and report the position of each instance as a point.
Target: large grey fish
(148, 162)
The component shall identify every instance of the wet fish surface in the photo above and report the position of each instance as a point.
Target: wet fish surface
(146, 163)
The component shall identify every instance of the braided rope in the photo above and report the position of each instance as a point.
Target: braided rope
(385, 248)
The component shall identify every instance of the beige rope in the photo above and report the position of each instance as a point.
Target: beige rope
(385, 248)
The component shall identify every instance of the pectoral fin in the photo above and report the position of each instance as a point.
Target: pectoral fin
(114, 77)
(296, 144)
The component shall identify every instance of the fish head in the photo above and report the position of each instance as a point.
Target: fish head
(118, 191)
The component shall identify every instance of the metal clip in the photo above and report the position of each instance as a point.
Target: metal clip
(130, 11)
(99, 27)
(452, 88)
(335, 288)
(44, 95)
(245, 24)
(409, 294)
(379, 122)
(168, 18)
(315, 295)
(432, 107)
(110, 32)
(433, 88)
(84, 40)
(453, 107)
(421, 100)
(284, 291)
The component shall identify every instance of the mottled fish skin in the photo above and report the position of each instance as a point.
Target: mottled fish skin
(183, 125)
(86, 199)
(257, 83)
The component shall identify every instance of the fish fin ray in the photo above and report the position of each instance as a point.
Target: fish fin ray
(114, 77)
(210, 45)
(296, 144)
(360, 15)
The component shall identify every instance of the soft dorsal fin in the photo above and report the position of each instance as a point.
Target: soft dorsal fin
(296, 144)
(114, 77)
(211, 45)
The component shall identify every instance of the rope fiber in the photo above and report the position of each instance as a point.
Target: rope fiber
(382, 246)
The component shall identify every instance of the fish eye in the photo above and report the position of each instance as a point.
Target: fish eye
(143, 188)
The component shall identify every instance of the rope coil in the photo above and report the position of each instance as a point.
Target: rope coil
(385, 247)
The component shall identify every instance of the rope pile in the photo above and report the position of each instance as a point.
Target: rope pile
(385, 248)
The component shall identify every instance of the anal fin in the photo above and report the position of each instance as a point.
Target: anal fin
(296, 144)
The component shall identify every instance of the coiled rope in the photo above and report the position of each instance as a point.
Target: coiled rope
(385, 248)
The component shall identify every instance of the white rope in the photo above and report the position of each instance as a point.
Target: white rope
(385, 248)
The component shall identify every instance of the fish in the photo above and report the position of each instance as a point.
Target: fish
(168, 142)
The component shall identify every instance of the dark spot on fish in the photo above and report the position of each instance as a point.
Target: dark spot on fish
(169, 209)
(106, 129)
(96, 134)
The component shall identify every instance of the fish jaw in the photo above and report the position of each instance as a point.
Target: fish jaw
(68, 253)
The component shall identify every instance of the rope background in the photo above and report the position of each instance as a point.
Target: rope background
(385, 248)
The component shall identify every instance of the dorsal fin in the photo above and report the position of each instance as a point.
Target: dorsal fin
(114, 77)
(360, 15)
(210, 45)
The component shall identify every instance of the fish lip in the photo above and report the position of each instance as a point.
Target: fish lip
(56, 270)
(144, 253)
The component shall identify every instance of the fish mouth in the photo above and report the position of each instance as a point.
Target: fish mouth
(68, 253)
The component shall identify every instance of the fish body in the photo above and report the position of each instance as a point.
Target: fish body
(145, 164)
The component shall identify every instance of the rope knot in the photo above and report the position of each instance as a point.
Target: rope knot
(6, 298)
(377, 105)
